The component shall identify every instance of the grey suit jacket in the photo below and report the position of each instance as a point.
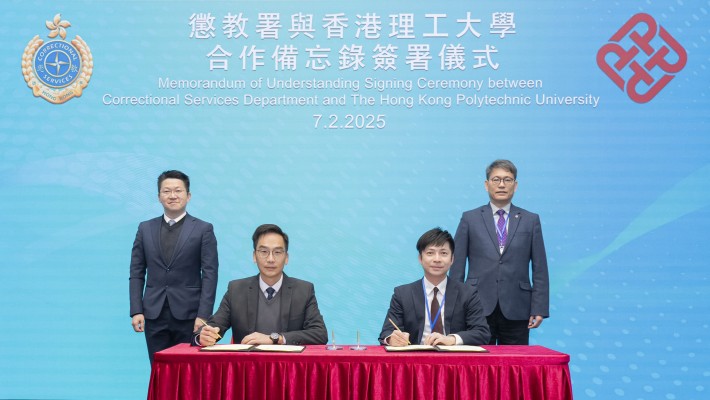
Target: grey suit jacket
(189, 281)
(301, 320)
(504, 278)
(463, 314)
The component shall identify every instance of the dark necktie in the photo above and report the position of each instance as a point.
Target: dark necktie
(502, 230)
(439, 326)
(270, 291)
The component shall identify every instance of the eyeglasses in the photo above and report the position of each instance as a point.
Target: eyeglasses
(168, 192)
(264, 254)
(506, 181)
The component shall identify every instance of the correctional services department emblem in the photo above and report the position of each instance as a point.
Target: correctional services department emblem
(57, 70)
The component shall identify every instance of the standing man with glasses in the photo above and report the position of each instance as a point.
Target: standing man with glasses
(504, 247)
(173, 274)
(271, 307)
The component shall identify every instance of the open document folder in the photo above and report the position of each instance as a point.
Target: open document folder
(282, 348)
(426, 347)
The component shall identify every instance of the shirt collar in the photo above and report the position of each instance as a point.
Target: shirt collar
(165, 217)
(430, 286)
(277, 286)
(505, 208)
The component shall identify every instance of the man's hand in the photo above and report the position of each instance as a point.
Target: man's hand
(399, 338)
(138, 322)
(209, 335)
(438, 338)
(258, 338)
(198, 323)
(535, 321)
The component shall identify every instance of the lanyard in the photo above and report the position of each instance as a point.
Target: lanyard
(428, 313)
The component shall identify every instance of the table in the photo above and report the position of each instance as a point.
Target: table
(505, 373)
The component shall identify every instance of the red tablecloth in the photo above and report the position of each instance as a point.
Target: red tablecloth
(505, 373)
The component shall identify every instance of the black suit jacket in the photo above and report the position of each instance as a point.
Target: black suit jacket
(504, 278)
(463, 313)
(300, 319)
(189, 281)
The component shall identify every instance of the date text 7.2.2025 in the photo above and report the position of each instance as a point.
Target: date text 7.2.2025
(350, 121)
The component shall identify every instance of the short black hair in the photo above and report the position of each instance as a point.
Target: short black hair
(502, 164)
(262, 230)
(435, 237)
(174, 174)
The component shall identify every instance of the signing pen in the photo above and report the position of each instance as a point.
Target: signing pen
(397, 328)
(205, 324)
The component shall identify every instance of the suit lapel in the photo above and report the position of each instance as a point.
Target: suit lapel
(489, 223)
(419, 301)
(513, 223)
(286, 295)
(155, 226)
(185, 232)
(252, 303)
(452, 293)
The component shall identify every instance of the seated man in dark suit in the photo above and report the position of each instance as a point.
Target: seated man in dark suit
(269, 308)
(435, 310)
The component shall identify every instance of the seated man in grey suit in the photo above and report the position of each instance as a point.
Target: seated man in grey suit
(269, 308)
(435, 310)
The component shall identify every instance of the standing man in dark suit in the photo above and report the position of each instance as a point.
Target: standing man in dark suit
(178, 252)
(503, 244)
(269, 308)
(435, 310)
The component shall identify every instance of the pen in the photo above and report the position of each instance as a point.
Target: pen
(397, 328)
(205, 324)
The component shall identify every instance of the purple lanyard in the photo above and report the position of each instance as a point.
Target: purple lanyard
(428, 313)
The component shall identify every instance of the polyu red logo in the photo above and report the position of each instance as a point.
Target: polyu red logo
(649, 74)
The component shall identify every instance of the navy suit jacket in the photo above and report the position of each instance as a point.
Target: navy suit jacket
(503, 278)
(189, 281)
(300, 319)
(462, 309)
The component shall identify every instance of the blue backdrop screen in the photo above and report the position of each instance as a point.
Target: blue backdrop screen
(356, 127)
